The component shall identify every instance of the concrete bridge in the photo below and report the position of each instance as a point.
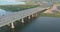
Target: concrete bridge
(7, 19)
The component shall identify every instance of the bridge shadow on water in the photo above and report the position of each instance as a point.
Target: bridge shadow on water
(18, 25)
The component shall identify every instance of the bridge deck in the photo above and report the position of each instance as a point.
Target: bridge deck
(18, 15)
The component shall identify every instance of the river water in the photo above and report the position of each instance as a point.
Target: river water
(40, 24)
(43, 24)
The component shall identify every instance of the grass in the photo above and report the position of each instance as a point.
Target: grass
(15, 8)
(50, 15)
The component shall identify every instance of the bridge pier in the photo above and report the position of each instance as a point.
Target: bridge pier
(34, 15)
(29, 17)
(12, 25)
(22, 20)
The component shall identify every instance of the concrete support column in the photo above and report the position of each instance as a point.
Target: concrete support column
(28, 17)
(22, 20)
(12, 25)
(34, 15)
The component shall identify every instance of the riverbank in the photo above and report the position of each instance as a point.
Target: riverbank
(50, 15)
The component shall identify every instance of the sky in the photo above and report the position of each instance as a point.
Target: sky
(7, 2)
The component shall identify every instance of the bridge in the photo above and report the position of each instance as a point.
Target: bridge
(7, 19)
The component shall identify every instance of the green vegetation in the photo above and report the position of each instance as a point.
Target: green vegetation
(30, 3)
(15, 8)
(49, 15)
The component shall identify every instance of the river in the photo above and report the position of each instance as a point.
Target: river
(43, 24)
(40, 24)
